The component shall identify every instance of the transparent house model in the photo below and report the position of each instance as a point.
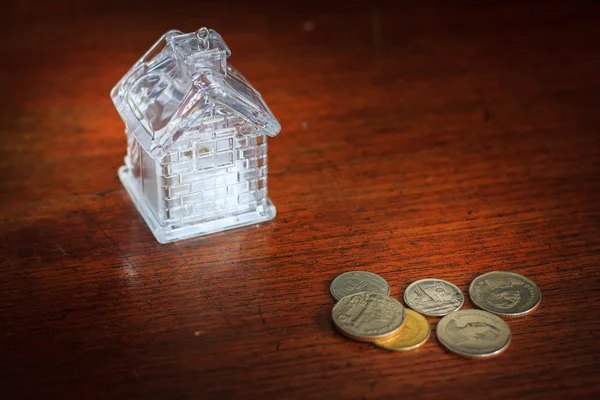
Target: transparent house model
(196, 138)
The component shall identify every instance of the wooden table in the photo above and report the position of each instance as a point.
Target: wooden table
(419, 140)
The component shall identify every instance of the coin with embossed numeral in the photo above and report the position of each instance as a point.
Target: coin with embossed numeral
(473, 333)
(356, 282)
(368, 317)
(505, 293)
(414, 334)
(433, 297)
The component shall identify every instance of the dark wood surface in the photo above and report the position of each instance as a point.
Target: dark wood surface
(419, 140)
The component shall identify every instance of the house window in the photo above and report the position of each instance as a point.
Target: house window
(217, 153)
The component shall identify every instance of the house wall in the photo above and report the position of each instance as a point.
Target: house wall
(219, 168)
(149, 182)
(142, 168)
(134, 161)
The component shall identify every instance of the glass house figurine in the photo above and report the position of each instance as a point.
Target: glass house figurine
(196, 139)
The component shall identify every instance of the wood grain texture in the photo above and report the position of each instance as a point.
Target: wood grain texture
(419, 140)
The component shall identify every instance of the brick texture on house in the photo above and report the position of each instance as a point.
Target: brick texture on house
(219, 167)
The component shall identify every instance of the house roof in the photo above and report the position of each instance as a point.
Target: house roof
(182, 78)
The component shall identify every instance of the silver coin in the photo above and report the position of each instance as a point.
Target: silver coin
(433, 297)
(356, 282)
(505, 293)
(474, 333)
(368, 316)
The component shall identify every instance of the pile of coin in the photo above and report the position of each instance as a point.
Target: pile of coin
(366, 312)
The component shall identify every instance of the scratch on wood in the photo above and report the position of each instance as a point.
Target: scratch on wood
(261, 315)
(108, 191)
(61, 250)
(248, 265)
(565, 258)
(9, 261)
(208, 295)
(161, 281)
(113, 243)
(186, 264)
(220, 308)
(485, 112)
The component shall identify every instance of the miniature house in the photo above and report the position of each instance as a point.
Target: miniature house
(196, 138)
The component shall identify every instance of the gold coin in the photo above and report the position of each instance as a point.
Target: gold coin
(414, 334)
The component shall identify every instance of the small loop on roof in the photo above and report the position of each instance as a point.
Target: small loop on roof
(202, 36)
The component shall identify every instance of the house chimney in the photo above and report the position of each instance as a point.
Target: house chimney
(203, 49)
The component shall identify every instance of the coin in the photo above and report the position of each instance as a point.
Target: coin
(356, 282)
(367, 317)
(414, 333)
(505, 293)
(433, 297)
(473, 333)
